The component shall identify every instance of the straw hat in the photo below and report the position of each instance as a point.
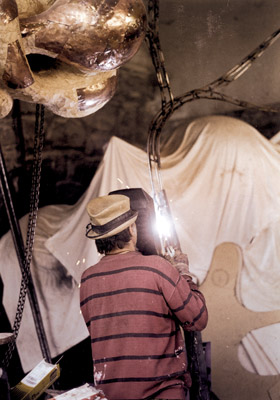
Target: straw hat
(109, 215)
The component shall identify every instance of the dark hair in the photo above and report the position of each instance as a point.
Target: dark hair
(117, 241)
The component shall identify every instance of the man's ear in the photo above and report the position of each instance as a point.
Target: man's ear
(132, 229)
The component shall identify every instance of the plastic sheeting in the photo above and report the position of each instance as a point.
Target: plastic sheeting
(223, 184)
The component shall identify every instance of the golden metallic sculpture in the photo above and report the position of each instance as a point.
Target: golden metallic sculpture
(89, 40)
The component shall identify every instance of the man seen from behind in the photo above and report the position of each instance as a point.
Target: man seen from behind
(135, 308)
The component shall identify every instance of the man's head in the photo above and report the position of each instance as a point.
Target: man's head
(112, 222)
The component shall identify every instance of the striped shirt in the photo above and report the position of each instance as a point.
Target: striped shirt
(133, 306)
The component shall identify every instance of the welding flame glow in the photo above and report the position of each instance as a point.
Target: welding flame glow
(163, 225)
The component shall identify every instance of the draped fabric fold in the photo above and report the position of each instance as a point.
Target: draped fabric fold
(224, 187)
(223, 184)
(57, 292)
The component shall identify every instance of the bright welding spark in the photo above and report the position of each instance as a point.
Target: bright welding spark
(127, 187)
(163, 225)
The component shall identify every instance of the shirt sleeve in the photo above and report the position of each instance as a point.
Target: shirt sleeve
(83, 309)
(188, 304)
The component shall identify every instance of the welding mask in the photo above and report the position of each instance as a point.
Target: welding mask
(148, 242)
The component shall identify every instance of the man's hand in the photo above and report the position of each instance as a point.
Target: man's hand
(180, 261)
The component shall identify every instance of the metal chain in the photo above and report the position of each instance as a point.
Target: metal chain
(34, 203)
(207, 92)
(201, 389)
(167, 98)
(35, 184)
(152, 39)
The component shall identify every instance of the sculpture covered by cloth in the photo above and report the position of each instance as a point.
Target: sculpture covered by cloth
(65, 54)
(227, 190)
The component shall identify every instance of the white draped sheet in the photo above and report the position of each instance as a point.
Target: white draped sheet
(223, 184)
(57, 292)
(225, 187)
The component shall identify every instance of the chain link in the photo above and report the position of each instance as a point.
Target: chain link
(153, 42)
(168, 107)
(209, 92)
(167, 98)
(34, 203)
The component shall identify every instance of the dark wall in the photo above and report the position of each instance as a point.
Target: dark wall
(200, 41)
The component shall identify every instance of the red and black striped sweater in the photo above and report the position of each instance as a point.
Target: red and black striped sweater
(133, 306)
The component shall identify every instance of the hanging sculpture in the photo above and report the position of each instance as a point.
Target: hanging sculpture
(83, 43)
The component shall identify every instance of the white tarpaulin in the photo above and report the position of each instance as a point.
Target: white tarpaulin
(224, 187)
(57, 293)
(223, 184)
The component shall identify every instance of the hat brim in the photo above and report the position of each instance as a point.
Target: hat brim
(94, 235)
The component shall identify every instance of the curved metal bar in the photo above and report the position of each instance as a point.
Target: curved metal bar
(197, 361)
(206, 92)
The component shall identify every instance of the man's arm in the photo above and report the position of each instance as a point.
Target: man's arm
(187, 302)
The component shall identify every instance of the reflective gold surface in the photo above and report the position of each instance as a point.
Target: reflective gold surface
(28, 8)
(6, 103)
(90, 34)
(8, 11)
(88, 40)
(17, 74)
(68, 92)
(93, 96)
